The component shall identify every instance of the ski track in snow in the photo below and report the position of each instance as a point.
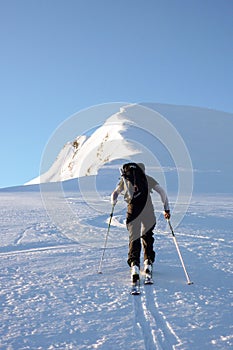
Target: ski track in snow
(156, 330)
(52, 297)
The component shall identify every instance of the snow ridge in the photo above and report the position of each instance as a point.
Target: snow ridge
(84, 156)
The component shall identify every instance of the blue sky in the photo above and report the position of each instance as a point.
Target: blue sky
(61, 56)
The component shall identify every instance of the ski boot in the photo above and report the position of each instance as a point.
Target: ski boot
(148, 272)
(135, 279)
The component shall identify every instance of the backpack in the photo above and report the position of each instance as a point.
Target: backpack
(134, 173)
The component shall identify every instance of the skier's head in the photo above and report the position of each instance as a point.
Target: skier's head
(128, 168)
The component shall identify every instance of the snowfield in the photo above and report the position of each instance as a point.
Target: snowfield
(52, 297)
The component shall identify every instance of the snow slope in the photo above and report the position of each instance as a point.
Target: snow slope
(86, 155)
(52, 297)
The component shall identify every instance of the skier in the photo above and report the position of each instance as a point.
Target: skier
(140, 219)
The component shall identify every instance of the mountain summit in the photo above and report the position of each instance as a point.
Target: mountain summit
(168, 139)
(86, 154)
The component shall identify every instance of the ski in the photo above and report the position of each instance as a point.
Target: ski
(135, 288)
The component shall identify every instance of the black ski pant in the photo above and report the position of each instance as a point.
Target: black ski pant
(140, 223)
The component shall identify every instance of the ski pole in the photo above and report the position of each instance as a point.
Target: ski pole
(179, 253)
(106, 239)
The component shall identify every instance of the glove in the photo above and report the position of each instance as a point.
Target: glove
(167, 214)
(114, 196)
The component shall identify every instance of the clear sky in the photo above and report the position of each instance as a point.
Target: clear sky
(61, 56)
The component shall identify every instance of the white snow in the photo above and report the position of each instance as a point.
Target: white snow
(52, 297)
(86, 155)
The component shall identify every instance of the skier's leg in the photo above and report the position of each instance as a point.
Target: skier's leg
(149, 254)
(148, 225)
(134, 228)
(148, 242)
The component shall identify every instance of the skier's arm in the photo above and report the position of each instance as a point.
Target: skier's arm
(116, 193)
(114, 197)
(164, 200)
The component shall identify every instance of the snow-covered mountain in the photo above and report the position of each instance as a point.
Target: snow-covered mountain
(153, 134)
(84, 155)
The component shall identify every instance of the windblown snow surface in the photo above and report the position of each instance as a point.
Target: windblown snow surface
(51, 294)
(53, 298)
